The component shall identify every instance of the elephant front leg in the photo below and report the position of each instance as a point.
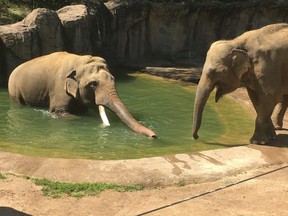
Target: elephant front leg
(264, 130)
(271, 133)
(60, 107)
(62, 113)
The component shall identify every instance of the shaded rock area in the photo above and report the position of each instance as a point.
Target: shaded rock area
(134, 33)
(182, 74)
(86, 29)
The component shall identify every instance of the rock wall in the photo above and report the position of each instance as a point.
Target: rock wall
(78, 29)
(169, 34)
(134, 33)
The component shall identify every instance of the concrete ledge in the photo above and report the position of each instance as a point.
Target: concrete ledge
(167, 170)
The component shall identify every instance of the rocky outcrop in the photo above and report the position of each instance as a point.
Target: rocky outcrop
(134, 33)
(38, 34)
(86, 29)
(76, 29)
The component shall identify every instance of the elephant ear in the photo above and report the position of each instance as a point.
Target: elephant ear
(240, 62)
(71, 84)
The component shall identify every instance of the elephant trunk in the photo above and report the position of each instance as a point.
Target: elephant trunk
(117, 106)
(202, 94)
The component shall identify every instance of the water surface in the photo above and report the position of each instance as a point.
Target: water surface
(164, 106)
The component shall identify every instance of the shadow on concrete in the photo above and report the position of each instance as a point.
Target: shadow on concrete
(6, 211)
(281, 139)
(226, 145)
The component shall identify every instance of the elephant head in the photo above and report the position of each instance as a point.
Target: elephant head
(93, 85)
(223, 69)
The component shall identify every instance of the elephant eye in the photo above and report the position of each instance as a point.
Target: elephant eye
(93, 84)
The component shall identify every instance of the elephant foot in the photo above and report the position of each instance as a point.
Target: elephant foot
(260, 140)
(271, 134)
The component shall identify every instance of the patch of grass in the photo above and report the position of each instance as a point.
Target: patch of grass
(181, 183)
(57, 189)
(18, 13)
(2, 176)
(11, 12)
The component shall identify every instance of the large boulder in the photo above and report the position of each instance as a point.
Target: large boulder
(131, 42)
(77, 31)
(21, 44)
(85, 28)
(38, 34)
(49, 29)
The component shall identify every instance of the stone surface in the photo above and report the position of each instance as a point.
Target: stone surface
(21, 44)
(38, 34)
(183, 74)
(135, 33)
(76, 29)
(85, 28)
(195, 167)
(49, 30)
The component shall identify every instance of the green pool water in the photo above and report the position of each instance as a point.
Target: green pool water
(164, 106)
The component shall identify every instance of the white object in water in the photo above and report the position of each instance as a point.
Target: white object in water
(103, 115)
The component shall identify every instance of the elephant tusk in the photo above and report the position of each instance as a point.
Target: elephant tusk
(103, 115)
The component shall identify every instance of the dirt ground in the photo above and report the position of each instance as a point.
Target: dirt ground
(261, 191)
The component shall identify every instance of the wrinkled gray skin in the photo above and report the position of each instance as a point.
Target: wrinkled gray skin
(279, 112)
(258, 59)
(69, 84)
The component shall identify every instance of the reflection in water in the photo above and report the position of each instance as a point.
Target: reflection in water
(163, 106)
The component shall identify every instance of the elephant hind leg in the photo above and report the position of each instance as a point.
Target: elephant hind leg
(277, 116)
(279, 112)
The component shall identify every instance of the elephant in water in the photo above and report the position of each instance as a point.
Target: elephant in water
(70, 84)
(257, 59)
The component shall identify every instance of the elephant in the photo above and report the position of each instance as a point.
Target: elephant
(279, 112)
(257, 59)
(69, 84)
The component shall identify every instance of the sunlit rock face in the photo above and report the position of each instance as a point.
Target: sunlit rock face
(38, 34)
(134, 33)
(86, 28)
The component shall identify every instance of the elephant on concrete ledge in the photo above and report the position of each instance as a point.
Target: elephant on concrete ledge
(70, 84)
(258, 59)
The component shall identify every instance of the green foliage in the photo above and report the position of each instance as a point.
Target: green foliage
(2, 176)
(51, 4)
(181, 183)
(59, 189)
(11, 12)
